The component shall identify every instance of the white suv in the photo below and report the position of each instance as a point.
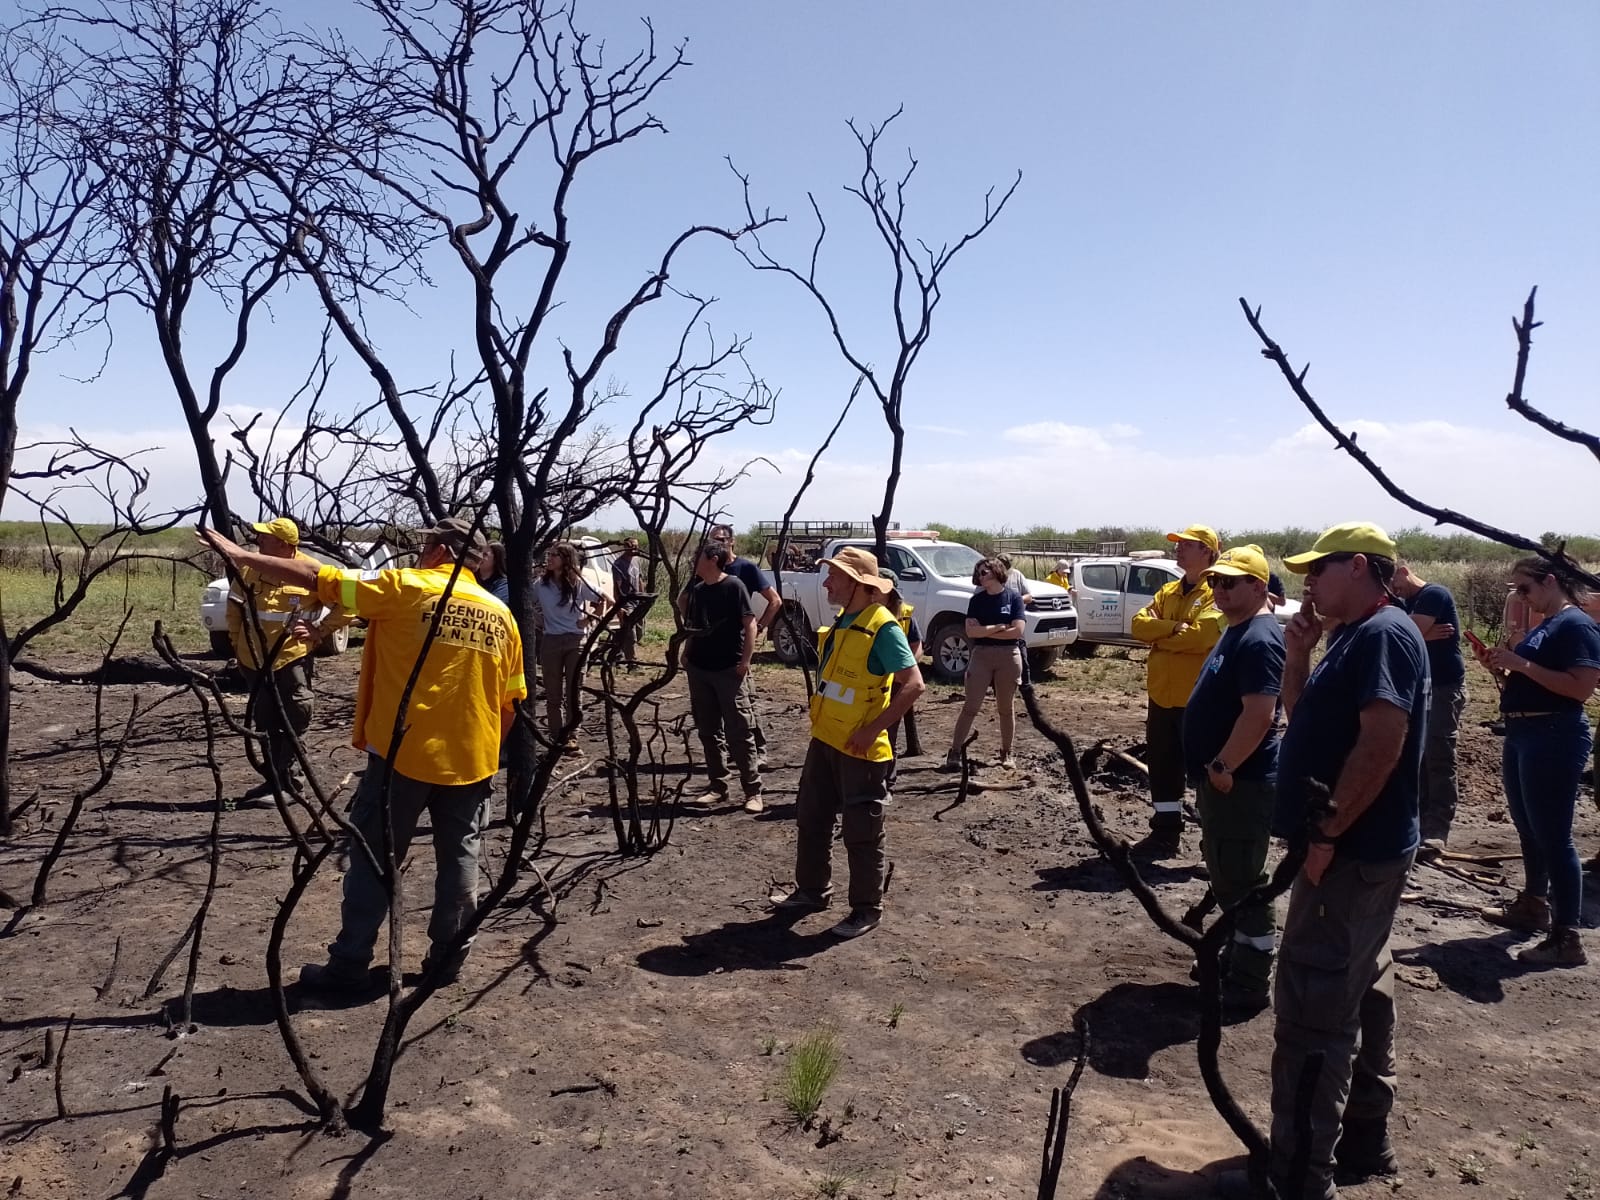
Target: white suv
(366, 556)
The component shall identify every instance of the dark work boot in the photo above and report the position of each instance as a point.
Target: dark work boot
(1364, 1152)
(1159, 844)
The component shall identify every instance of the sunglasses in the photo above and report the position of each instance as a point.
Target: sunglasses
(1322, 564)
(1225, 583)
(1523, 589)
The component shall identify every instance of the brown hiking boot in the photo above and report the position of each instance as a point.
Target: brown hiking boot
(1563, 948)
(1525, 914)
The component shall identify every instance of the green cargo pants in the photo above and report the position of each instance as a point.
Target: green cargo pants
(1234, 836)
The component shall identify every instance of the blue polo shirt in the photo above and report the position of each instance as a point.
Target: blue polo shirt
(1248, 661)
(1568, 639)
(1381, 657)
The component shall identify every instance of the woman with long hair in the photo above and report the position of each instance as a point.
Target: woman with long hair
(565, 602)
(491, 572)
(1547, 678)
(995, 625)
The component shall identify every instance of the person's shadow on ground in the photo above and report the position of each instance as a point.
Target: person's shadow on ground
(1128, 1024)
(1152, 1181)
(1096, 874)
(1474, 967)
(767, 944)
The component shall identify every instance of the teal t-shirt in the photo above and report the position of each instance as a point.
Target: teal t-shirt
(890, 650)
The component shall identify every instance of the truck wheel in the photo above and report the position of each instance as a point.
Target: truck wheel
(950, 652)
(792, 640)
(336, 642)
(221, 646)
(1041, 660)
(1082, 649)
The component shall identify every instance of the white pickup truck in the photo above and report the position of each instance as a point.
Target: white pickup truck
(1109, 591)
(935, 577)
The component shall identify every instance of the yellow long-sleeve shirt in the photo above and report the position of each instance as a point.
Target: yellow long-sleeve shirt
(1180, 629)
(275, 604)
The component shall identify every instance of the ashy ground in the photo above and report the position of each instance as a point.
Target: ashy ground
(641, 1048)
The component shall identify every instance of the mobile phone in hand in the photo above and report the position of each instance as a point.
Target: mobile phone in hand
(1477, 642)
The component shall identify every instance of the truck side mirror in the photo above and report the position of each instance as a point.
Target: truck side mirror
(911, 574)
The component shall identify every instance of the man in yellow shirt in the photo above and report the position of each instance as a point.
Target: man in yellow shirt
(443, 757)
(261, 615)
(1062, 575)
(1180, 625)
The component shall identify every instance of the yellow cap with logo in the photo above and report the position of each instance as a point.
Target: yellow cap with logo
(1242, 560)
(281, 528)
(1352, 537)
(1203, 534)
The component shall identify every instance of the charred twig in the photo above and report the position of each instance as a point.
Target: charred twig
(111, 972)
(61, 1060)
(1055, 1130)
(965, 785)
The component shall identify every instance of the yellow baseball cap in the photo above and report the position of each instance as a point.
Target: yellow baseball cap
(1203, 534)
(1352, 537)
(1241, 560)
(281, 528)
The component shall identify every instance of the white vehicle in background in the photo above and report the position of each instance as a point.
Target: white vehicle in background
(1109, 591)
(935, 578)
(598, 559)
(364, 556)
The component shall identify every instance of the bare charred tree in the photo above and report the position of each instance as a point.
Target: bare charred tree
(50, 265)
(180, 90)
(917, 272)
(1522, 327)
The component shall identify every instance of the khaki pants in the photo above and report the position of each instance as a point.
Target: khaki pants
(835, 786)
(558, 663)
(1335, 998)
(282, 706)
(999, 667)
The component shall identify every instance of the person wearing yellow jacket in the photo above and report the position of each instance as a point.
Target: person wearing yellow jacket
(459, 675)
(263, 628)
(863, 655)
(1181, 624)
(1062, 575)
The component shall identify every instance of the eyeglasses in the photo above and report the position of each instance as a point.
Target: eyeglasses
(1225, 583)
(1322, 564)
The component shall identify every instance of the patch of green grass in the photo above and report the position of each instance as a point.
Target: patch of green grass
(769, 1046)
(895, 1013)
(833, 1185)
(813, 1062)
(28, 595)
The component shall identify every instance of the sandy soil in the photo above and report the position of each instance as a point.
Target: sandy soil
(666, 983)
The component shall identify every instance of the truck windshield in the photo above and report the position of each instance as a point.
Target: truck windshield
(950, 561)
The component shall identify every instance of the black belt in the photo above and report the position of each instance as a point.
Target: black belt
(1523, 716)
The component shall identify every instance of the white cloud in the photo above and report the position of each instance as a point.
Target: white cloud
(1066, 476)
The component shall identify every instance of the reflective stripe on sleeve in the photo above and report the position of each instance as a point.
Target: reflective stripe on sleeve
(273, 618)
(1169, 805)
(347, 589)
(1264, 943)
(517, 683)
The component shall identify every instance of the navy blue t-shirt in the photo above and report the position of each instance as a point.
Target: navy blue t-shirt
(996, 608)
(1275, 585)
(1248, 661)
(1379, 658)
(747, 573)
(1568, 639)
(1445, 663)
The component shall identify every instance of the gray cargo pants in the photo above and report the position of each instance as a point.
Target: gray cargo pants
(457, 814)
(1334, 996)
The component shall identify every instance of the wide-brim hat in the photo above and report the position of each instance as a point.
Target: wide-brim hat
(860, 565)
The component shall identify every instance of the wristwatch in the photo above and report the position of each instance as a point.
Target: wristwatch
(1220, 767)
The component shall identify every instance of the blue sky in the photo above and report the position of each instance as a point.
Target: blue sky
(1386, 180)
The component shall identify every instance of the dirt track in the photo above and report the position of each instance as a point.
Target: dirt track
(665, 980)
